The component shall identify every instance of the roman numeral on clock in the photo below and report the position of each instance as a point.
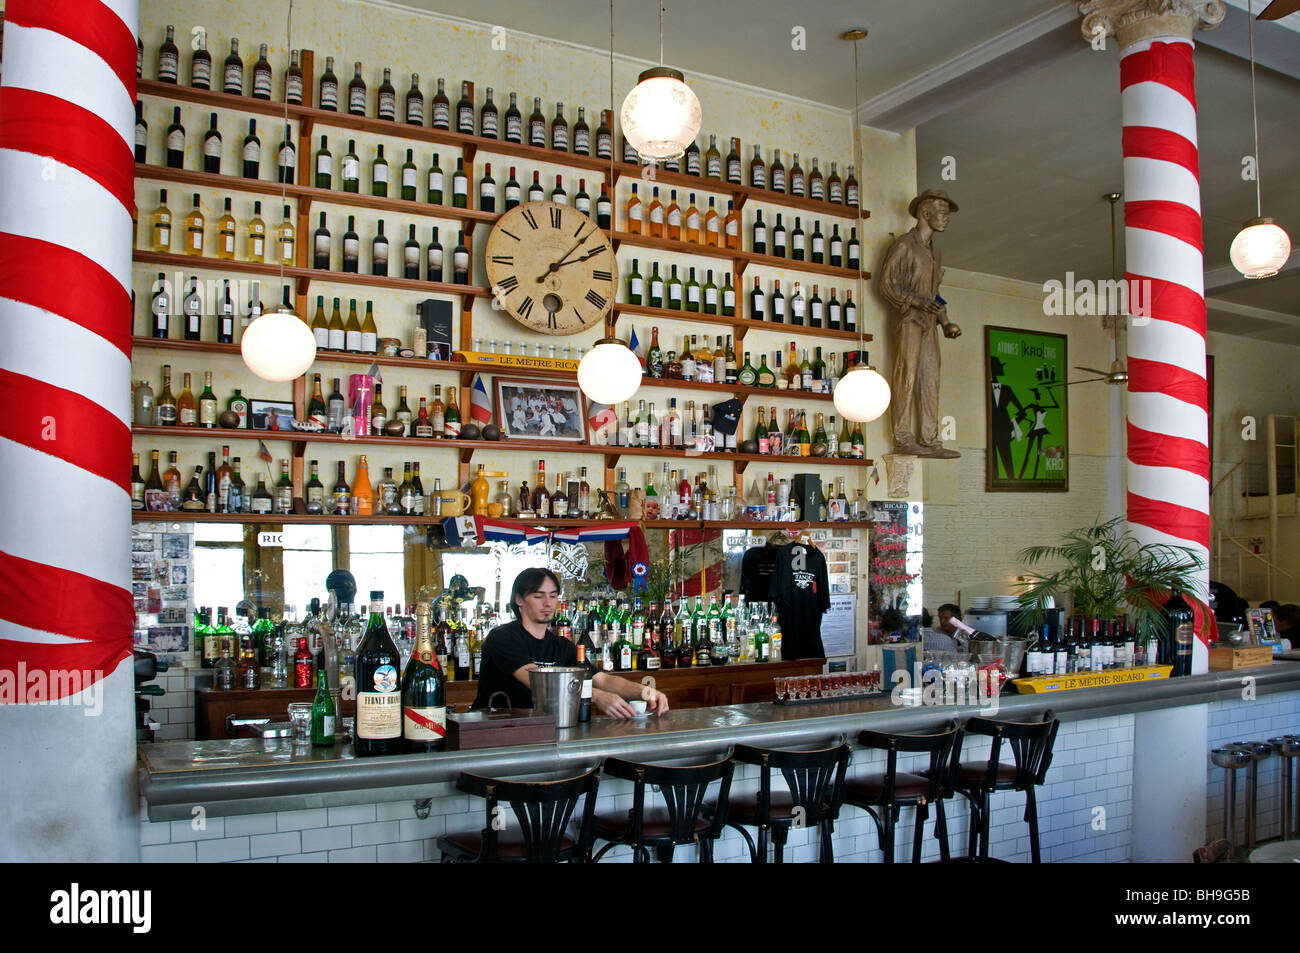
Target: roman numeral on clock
(525, 307)
(556, 215)
(596, 299)
(508, 283)
(529, 218)
(504, 259)
(505, 231)
(601, 275)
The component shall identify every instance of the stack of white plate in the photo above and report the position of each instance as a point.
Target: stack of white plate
(1005, 603)
(981, 603)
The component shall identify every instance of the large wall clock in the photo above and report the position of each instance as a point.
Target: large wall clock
(551, 268)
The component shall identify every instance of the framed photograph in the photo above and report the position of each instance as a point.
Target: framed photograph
(1025, 375)
(260, 413)
(541, 409)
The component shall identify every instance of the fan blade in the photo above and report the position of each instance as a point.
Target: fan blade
(1092, 370)
(1090, 380)
(1279, 9)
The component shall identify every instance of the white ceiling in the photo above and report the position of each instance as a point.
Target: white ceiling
(1009, 89)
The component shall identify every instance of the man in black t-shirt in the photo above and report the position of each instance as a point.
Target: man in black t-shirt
(513, 650)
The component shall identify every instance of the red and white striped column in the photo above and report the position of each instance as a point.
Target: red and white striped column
(67, 99)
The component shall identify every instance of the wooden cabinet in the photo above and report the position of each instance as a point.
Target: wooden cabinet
(685, 687)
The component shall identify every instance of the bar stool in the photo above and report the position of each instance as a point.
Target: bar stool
(1031, 746)
(815, 782)
(1232, 759)
(679, 821)
(1258, 751)
(1287, 747)
(542, 809)
(890, 792)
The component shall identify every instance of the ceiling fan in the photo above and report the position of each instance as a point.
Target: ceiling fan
(1117, 374)
(1278, 9)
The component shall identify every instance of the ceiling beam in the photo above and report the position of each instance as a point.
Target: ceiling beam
(1025, 48)
(1227, 278)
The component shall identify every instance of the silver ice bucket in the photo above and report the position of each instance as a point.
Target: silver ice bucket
(557, 690)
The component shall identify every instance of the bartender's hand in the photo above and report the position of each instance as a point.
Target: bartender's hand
(656, 701)
(607, 703)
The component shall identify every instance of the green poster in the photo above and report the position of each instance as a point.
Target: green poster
(1025, 393)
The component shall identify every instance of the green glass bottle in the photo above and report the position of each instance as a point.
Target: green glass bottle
(700, 636)
(710, 294)
(263, 636)
(748, 373)
(434, 191)
(378, 687)
(324, 165)
(819, 435)
(409, 176)
(728, 296)
(765, 377)
(351, 169)
(460, 185)
(635, 285)
(323, 714)
(379, 175)
(845, 448)
(424, 697)
(203, 633)
(692, 293)
(674, 290)
(656, 294)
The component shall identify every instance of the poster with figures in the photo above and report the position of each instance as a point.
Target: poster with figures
(162, 585)
(1025, 374)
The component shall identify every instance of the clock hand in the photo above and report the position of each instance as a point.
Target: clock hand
(556, 264)
(577, 261)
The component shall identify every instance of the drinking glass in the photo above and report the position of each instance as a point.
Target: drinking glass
(300, 715)
(782, 688)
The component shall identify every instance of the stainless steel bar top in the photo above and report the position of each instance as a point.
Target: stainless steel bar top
(248, 776)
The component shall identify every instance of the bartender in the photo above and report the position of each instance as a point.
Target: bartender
(513, 650)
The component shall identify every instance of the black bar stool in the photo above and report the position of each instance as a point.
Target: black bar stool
(1232, 759)
(1258, 751)
(1031, 746)
(542, 811)
(890, 792)
(815, 783)
(680, 821)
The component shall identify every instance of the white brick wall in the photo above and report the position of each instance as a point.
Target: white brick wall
(1266, 717)
(174, 711)
(1091, 768)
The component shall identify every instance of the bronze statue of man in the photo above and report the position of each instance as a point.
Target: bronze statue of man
(909, 281)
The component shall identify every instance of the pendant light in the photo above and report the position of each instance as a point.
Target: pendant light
(861, 395)
(1262, 247)
(661, 115)
(279, 346)
(610, 373)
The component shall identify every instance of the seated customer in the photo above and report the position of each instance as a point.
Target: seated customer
(513, 650)
(935, 640)
(1287, 622)
(947, 612)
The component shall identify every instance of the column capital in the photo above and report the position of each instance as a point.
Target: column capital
(1131, 21)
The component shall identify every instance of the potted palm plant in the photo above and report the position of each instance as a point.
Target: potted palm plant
(1107, 572)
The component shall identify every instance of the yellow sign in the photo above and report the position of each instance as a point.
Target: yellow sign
(1065, 683)
(512, 361)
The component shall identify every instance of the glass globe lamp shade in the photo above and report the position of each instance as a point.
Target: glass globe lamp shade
(609, 373)
(862, 395)
(661, 115)
(278, 346)
(1260, 249)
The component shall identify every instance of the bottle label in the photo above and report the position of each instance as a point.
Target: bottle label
(559, 138)
(818, 245)
(234, 77)
(434, 261)
(514, 128)
(634, 212)
(798, 242)
(356, 99)
(441, 115)
(293, 88)
(460, 260)
(758, 307)
(167, 67)
(796, 184)
(728, 298)
(323, 244)
(176, 141)
(261, 504)
(424, 724)
(778, 180)
(693, 294)
(487, 190)
(512, 193)
(817, 313)
(537, 133)
(286, 157)
(451, 429)
(837, 193)
(656, 288)
(337, 339)
(638, 285)
(408, 177)
(379, 713)
(352, 340)
(488, 123)
(693, 221)
(817, 191)
(329, 94)
(208, 413)
(715, 167)
(387, 105)
(252, 152)
(257, 243)
(733, 227)
(411, 256)
(778, 307)
(351, 168)
(459, 185)
(758, 176)
(435, 181)
(657, 215)
(581, 141)
(415, 111)
(711, 296)
(851, 195)
(381, 173)
(711, 225)
(733, 171)
(200, 72)
(262, 83)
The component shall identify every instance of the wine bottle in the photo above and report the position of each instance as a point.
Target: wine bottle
(175, 140)
(261, 75)
(141, 133)
(357, 92)
(252, 151)
(379, 252)
(424, 700)
(293, 81)
(379, 698)
(329, 88)
(379, 174)
(321, 245)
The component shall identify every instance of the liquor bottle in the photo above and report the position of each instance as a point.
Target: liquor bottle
(379, 698)
(187, 408)
(411, 255)
(341, 493)
(363, 493)
(1177, 636)
(314, 491)
(437, 414)
(160, 308)
(293, 81)
(285, 238)
(779, 238)
(654, 356)
(336, 332)
(728, 296)
(654, 216)
(251, 152)
(321, 245)
(858, 442)
(559, 498)
(433, 258)
(851, 189)
(733, 162)
(581, 134)
(692, 223)
(816, 184)
(194, 225)
(434, 182)
(817, 251)
(460, 260)
(192, 308)
(207, 402)
(712, 226)
(537, 125)
(796, 177)
(238, 403)
(357, 92)
(487, 190)
(765, 376)
(423, 422)
(226, 234)
(233, 73)
(261, 75)
(403, 411)
(802, 437)
(328, 97)
(451, 421)
(334, 410)
(161, 229)
(559, 130)
(257, 235)
(757, 171)
(323, 712)
(261, 499)
(713, 160)
(731, 227)
(512, 191)
(282, 499)
(142, 134)
(175, 140)
(634, 213)
(379, 174)
(378, 412)
(424, 699)
(138, 482)
(369, 332)
(379, 252)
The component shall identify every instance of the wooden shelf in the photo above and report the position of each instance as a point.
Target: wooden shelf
(740, 324)
(470, 145)
(182, 516)
(790, 264)
(305, 276)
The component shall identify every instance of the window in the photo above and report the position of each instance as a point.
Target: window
(307, 559)
(218, 565)
(378, 562)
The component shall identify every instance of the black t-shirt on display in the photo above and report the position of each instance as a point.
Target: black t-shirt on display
(756, 568)
(507, 649)
(802, 593)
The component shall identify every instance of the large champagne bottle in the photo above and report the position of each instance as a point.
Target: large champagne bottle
(1179, 634)
(424, 698)
(379, 699)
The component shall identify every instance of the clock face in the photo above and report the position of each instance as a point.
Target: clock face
(551, 268)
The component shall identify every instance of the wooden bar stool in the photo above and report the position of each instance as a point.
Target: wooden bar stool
(679, 821)
(815, 792)
(540, 833)
(883, 796)
(1031, 746)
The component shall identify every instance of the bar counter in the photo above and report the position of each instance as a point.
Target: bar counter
(249, 776)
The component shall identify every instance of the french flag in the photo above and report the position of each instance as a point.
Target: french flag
(490, 530)
(593, 534)
(635, 347)
(480, 410)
